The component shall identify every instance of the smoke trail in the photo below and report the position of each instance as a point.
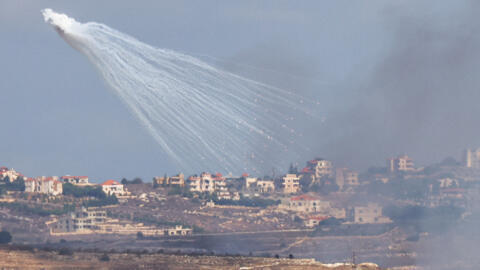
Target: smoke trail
(202, 117)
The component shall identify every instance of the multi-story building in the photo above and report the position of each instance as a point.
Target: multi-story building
(206, 182)
(291, 183)
(258, 185)
(177, 180)
(250, 182)
(307, 204)
(76, 180)
(471, 158)
(400, 164)
(371, 213)
(45, 185)
(81, 220)
(265, 186)
(11, 174)
(94, 220)
(345, 178)
(112, 187)
(321, 168)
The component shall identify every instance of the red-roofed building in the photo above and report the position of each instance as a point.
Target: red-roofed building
(313, 221)
(10, 173)
(208, 183)
(45, 185)
(113, 187)
(320, 167)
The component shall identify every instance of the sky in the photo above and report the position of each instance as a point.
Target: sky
(392, 77)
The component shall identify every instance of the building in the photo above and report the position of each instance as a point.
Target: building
(177, 180)
(250, 182)
(206, 182)
(9, 174)
(313, 221)
(371, 213)
(320, 168)
(265, 186)
(261, 186)
(44, 185)
(448, 183)
(400, 164)
(95, 220)
(291, 183)
(307, 203)
(112, 187)
(81, 220)
(75, 180)
(345, 178)
(471, 158)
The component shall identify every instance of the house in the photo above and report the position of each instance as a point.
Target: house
(346, 178)
(291, 183)
(112, 187)
(261, 186)
(10, 173)
(44, 185)
(401, 163)
(471, 158)
(265, 186)
(95, 220)
(320, 168)
(368, 214)
(81, 220)
(177, 180)
(250, 182)
(307, 204)
(313, 221)
(75, 180)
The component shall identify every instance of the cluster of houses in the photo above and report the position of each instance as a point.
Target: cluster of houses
(308, 206)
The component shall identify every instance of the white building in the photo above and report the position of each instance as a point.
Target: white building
(44, 185)
(401, 163)
(291, 183)
(10, 173)
(76, 180)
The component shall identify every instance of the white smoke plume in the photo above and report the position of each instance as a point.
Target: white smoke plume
(204, 118)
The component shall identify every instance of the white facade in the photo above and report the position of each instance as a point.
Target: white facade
(44, 185)
(10, 173)
(112, 187)
(291, 183)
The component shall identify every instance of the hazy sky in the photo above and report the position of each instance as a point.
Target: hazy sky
(392, 78)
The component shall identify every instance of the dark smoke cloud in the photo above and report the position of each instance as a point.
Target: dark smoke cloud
(422, 97)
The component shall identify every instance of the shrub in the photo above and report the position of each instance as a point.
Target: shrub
(65, 251)
(104, 258)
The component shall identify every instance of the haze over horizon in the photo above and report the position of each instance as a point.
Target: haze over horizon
(383, 72)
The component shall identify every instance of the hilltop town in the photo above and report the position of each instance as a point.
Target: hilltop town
(317, 211)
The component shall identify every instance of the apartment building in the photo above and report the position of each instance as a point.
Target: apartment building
(291, 183)
(44, 185)
(177, 180)
(401, 163)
